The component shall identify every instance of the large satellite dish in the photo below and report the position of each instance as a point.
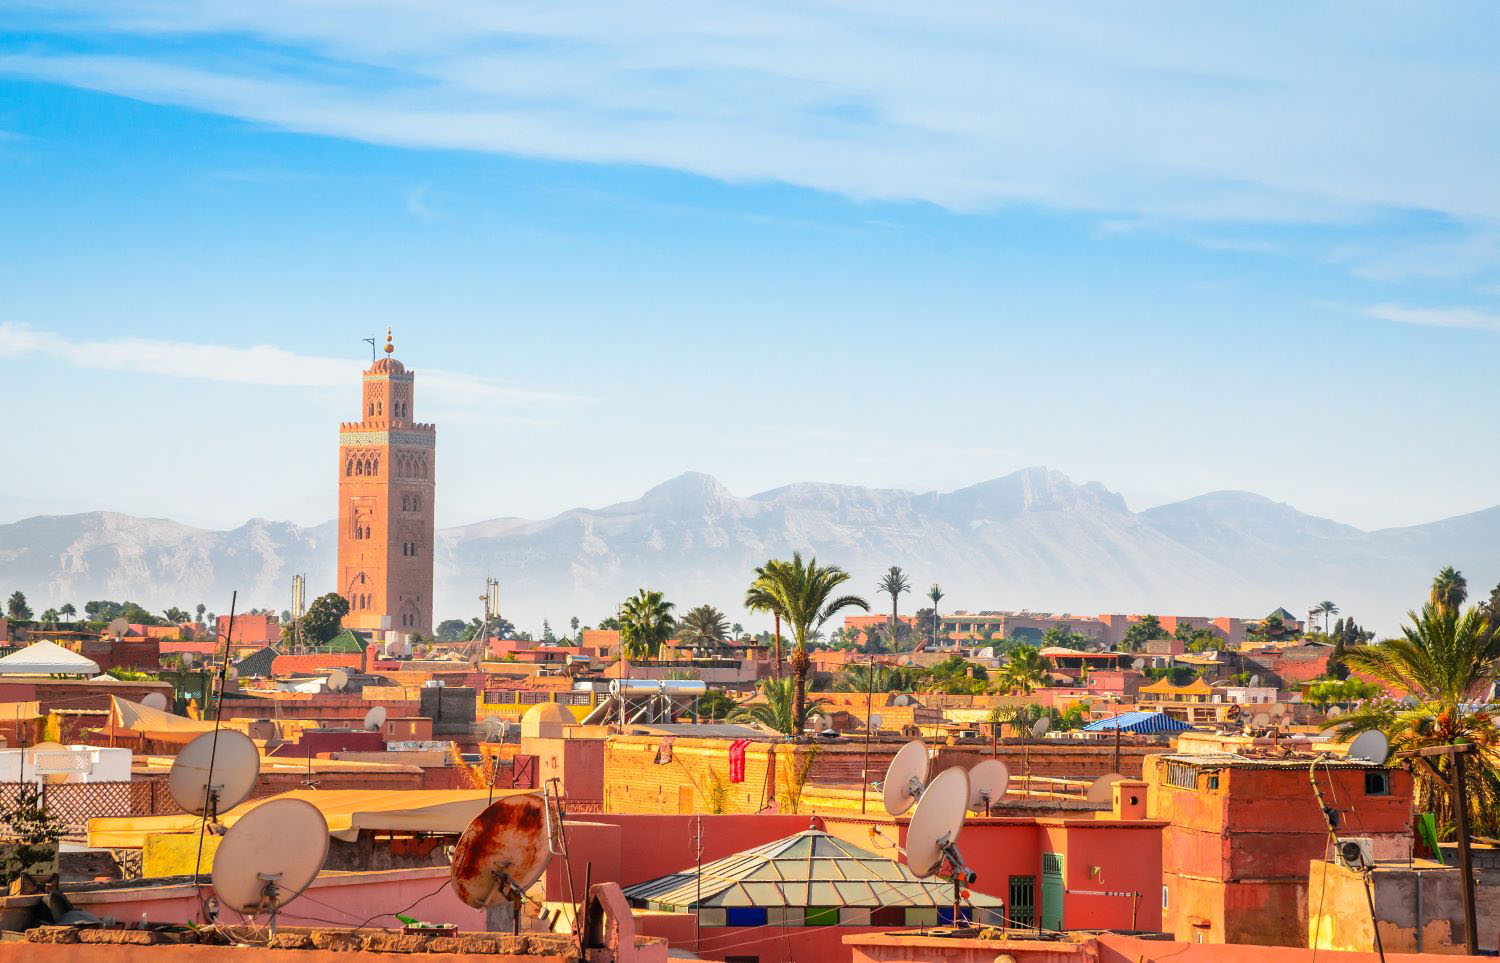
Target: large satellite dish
(504, 850)
(901, 699)
(936, 823)
(208, 779)
(1370, 746)
(492, 728)
(1254, 681)
(155, 700)
(1334, 712)
(1100, 790)
(1039, 728)
(905, 777)
(875, 721)
(1138, 664)
(1261, 719)
(375, 718)
(118, 627)
(988, 781)
(270, 856)
(338, 680)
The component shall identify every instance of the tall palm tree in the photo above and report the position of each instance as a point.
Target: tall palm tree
(68, 610)
(1449, 588)
(802, 596)
(936, 594)
(893, 583)
(1327, 608)
(780, 710)
(1025, 670)
(859, 677)
(704, 627)
(1445, 658)
(645, 623)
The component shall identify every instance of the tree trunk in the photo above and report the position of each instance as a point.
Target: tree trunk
(800, 662)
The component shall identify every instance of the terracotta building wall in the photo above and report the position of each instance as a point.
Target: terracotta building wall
(635, 783)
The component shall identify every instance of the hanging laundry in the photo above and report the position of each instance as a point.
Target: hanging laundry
(737, 760)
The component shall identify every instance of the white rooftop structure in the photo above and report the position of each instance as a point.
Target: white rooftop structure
(47, 658)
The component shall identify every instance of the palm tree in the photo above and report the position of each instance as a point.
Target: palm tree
(1449, 588)
(936, 594)
(704, 627)
(779, 712)
(1025, 670)
(49, 617)
(859, 677)
(1327, 608)
(802, 596)
(573, 624)
(645, 623)
(893, 583)
(68, 610)
(1444, 659)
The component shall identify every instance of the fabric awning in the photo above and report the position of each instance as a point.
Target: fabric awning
(347, 810)
(1143, 723)
(47, 658)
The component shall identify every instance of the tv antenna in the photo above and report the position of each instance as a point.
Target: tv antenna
(214, 773)
(375, 718)
(502, 852)
(155, 700)
(270, 856)
(371, 342)
(338, 680)
(905, 778)
(492, 728)
(932, 834)
(988, 782)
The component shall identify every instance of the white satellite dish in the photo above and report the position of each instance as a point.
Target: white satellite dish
(338, 680)
(1261, 719)
(375, 718)
(270, 856)
(492, 728)
(208, 778)
(1099, 790)
(1334, 712)
(988, 652)
(875, 721)
(118, 627)
(818, 722)
(155, 700)
(1370, 746)
(988, 782)
(901, 699)
(905, 777)
(1138, 664)
(935, 825)
(1040, 727)
(1254, 681)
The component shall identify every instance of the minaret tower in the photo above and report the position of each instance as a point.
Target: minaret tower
(387, 463)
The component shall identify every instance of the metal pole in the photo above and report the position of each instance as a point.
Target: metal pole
(1465, 868)
(1117, 741)
(864, 783)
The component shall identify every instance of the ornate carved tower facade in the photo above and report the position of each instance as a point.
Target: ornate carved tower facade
(387, 463)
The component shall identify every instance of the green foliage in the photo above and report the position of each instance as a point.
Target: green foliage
(703, 627)
(954, 676)
(128, 675)
(1024, 671)
(1449, 589)
(16, 607)
(31, 837)
(1064, 638)
(780, 712)
(1340, 692)
(104, 610)
(451, 630)
(50, 617)
(325, 617)
(176, 616)
(610, 623)
(860, 678)
(646, 623)
(1148, 628)
(714, 704)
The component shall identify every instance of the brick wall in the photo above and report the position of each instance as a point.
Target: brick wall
(635, 783)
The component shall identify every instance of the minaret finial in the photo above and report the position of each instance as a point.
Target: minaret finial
(388, 346)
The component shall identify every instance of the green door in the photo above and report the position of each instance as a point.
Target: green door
(1052, 891)
(1022, 913)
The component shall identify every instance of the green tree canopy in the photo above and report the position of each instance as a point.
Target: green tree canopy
(780, 712)
(646, 623)
(703, 627)
(16, 606)
(325, 617)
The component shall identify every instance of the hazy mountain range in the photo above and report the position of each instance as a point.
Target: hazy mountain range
(1032, 539)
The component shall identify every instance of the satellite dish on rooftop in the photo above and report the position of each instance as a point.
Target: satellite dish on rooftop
(818, 722)
(118, 627)
(1372, 746)
(375, 718)
(875, 721)
(905, 777)
(988, 652)
(1138, 664)
(270, 856)
(988, 782)
(1261, 719)
(338, 680)
(901, 699)
(502, 852)
(1334, 712)
(935, 825)
(235, 765)
(492, 728)
(1039, 728)
(1254, 681)
(155, 700)
(1100, 790)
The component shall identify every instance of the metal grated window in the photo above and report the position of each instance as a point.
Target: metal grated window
(1182, 775)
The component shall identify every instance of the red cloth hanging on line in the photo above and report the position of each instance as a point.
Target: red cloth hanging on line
(737, 760)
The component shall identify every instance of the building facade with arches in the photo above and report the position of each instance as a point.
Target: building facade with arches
(387, 466)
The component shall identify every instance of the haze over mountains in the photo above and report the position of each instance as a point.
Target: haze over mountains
(1032, 539)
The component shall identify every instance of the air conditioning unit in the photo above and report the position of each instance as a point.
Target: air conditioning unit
(1357, 853)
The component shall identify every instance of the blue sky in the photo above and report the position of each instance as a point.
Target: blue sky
(873, 243)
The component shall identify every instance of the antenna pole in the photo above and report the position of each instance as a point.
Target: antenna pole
(1465, 868)
(371, 342)
(210, 795)
(864, 788)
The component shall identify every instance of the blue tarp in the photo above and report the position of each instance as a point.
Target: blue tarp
(1144, 723)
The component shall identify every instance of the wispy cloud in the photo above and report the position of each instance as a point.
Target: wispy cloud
(416, 204)
(1437, 317)
(256, 364)
(1171, 111)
